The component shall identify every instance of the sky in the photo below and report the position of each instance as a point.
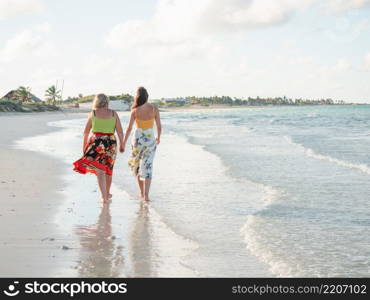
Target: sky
(240, 48)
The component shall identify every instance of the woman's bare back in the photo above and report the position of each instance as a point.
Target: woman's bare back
(145, 112)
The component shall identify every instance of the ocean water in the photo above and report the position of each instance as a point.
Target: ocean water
(273, 191)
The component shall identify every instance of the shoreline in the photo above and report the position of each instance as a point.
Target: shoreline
(123, 239)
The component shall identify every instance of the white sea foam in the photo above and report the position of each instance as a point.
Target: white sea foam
(257, 245)
(311, 153)
(254, 241)
(208, 204)
(270, 195)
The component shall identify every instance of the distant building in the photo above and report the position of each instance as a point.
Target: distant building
(12, 96)
(118, 105)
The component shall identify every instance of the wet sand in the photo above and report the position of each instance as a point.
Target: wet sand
(53, 224)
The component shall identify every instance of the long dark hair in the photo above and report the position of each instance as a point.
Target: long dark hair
(141, 97)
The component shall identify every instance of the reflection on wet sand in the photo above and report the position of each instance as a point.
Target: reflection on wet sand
(100, 255)
(151, 248)
(141, 244)
(157, 251)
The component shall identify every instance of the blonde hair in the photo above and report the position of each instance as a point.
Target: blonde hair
(100, 100)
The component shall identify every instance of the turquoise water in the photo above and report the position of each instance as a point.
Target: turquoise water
(315, 220)
(251, 192)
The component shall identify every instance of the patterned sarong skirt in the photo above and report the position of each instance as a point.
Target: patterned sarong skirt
(100, 154)
(143, 147)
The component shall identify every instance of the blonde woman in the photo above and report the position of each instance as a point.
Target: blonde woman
(144, 143)
(99, 149)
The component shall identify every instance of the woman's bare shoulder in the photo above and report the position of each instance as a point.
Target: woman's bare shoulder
(152, 106)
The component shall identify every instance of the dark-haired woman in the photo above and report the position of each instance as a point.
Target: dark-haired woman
(143, 142)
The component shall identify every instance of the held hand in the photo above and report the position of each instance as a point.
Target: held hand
(122, 148)
(158, 140)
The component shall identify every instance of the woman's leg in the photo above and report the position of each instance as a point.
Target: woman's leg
(141, 185)
(102, 182)
(109, 183)
(146, 188)
(146, 170)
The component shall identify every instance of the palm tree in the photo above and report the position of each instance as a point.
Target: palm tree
(52, 94)
(23, 94)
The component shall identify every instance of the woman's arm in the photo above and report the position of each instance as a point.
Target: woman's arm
(86, 132)
(129, 127)
(119, 132)
(159, 125)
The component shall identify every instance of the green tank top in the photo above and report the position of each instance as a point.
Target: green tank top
(103, 125)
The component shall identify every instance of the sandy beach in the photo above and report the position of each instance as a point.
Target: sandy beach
(41, 235)
(30, 186)
(53, 224)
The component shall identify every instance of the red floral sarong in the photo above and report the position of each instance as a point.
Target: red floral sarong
(100, 154)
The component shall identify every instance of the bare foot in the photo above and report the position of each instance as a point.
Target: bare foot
(146, 198)
(105, 200)
(110, 196)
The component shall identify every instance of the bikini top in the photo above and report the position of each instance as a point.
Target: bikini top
(103, 125)
(145, 124)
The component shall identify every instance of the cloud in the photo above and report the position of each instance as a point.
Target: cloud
(250, 14)
(29, 42)
(337, 6)
(94, 64)
(177, 22)
(342, 65)
(183, 21)
(367, 62)
(205, 35)
(44, 28)
(13, 8)
(173, 23)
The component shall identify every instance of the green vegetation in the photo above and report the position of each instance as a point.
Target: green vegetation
(84, 99)
(52, 94)
(23, 94)
(11, 106)
(126, 98)
(23, 101)
(229, 101)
